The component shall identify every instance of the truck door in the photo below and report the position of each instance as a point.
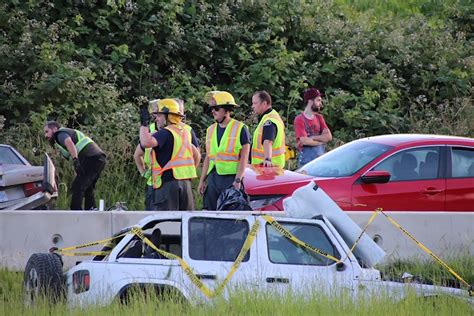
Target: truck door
(287, 266)
(213, 242)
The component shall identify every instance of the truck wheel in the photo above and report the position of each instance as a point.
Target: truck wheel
(43, 278)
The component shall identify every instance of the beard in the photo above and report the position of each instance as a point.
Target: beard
(316, 108)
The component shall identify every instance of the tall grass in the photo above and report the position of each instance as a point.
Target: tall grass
(239, 303)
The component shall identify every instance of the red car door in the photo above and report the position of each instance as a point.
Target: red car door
(460, 179)
(417, 183)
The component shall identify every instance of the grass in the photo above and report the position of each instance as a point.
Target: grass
(252, 303)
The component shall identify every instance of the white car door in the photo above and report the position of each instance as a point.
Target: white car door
(285, 266)
(212, 244)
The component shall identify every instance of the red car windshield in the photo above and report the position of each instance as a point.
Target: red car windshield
(345, 160)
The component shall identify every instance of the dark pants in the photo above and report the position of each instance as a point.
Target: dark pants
(148, 198)
(83, 185)
(174, 195)
(216, 184)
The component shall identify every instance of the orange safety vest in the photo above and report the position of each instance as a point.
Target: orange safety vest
(181, 162)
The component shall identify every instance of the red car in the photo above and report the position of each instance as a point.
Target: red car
(405, 172)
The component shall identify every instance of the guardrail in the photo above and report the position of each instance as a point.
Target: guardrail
(23, 233)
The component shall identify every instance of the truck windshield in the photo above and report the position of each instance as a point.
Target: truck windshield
(345, 160)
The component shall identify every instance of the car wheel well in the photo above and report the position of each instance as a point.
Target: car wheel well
(150, 291)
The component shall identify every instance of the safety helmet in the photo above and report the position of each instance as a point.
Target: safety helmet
(220, 98)
(169, 106)
(153, 106)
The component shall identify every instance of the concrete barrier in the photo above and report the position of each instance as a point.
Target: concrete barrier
(23, 233)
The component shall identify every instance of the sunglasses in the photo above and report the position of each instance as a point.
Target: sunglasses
(216, 108)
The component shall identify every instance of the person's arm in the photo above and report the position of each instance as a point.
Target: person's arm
(138, 158)
(244, 158)
(267, 153)
(69, 144)
(325, 137)
(146, 139)
(196, 156)
(202, 180)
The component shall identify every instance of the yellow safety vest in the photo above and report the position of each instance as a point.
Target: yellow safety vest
(147, 155)
(225, 156)
(181, 162)
(278, 147)
(82, 142)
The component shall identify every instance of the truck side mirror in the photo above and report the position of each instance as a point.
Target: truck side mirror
(379, 176)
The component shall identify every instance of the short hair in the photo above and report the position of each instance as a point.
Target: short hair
(52, 124)
(264, 96)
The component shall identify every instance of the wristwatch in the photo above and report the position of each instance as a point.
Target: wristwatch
(237, 180)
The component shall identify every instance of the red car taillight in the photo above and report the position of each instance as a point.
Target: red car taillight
(32, 188)
(81, 281)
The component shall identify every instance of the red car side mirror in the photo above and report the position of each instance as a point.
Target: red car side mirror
(379, 176)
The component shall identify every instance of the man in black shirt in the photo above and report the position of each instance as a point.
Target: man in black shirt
(88, 160)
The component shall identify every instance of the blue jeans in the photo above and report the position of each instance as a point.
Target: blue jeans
(309, 153)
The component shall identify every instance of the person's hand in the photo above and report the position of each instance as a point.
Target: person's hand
(237, 185)
(77, 166)
(146, 174)
(202, 187)
(144, 117)
(267, 163)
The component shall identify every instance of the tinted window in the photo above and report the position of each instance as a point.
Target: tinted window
(462, 162)
(345, 160)
(282, 250)
(413, 164)
(8, 157)
(217, 239)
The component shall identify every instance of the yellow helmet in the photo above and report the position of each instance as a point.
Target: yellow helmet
(220, 98)
(169, 106)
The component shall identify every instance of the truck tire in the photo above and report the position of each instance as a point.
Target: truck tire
(43, 278)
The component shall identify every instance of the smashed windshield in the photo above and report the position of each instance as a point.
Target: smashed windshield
(345, 160)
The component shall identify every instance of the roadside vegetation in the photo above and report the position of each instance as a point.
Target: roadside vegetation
(383, 66)
(249, 303)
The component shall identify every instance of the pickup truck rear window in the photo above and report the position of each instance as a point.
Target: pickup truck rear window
(217, 239)
(283, 251)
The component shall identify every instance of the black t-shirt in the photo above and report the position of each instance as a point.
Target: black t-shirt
(269, 128)
(91, 149)
(244, 135)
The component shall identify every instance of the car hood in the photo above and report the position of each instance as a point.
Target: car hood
(19, 174)
(257, 176)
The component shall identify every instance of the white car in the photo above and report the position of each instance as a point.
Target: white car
(199, 251)
(23, 186)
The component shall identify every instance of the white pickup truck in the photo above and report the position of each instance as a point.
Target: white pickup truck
(198, 259)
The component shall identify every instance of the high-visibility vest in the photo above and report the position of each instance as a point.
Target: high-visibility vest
(81, 143)
(225, 156)
(278, 146)
(181, 162)
(147, 155)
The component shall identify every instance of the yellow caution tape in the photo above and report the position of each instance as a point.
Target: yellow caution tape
(371, 219)
(285, 233)
(91, 243)
(437, 259)
(91, 253)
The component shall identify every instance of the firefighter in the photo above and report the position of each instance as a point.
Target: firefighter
(268, 142)
(142, 156)
(173, 158)
(88, 160)
(227, 150)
